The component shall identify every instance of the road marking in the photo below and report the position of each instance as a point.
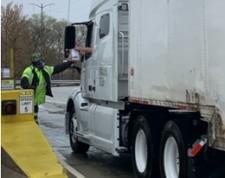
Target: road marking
(68, 167)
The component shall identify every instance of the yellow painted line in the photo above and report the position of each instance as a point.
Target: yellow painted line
(28, 147)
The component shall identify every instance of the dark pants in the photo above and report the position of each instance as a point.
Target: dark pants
(36, 113)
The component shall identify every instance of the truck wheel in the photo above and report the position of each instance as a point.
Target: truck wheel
(142, 149)
(77, 146)
(173, 155)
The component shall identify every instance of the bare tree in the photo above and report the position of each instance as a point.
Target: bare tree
(15, 35)
(27, 35)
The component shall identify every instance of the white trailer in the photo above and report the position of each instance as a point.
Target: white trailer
(153, 86)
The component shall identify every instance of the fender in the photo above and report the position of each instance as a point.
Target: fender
(76, 101)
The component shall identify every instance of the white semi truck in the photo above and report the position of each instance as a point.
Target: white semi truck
(154, 85)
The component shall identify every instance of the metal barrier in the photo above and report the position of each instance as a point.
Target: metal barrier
(65, 82)
(58, 83)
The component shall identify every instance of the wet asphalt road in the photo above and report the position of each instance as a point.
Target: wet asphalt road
(93, 164)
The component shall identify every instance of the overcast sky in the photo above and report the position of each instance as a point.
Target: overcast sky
(79, 9)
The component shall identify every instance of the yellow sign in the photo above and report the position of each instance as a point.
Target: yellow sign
(8, 84)
(26, 93)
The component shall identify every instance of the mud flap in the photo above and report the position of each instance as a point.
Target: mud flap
(191, 172)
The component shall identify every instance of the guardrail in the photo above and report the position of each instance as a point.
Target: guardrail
(58, 83)
(65, 82)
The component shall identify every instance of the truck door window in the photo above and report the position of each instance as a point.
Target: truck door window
(104, 25)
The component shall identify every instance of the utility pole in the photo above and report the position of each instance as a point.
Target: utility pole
(42, 18)
(42, 12)
(68, 11)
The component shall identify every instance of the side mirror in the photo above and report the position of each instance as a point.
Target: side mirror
(69, 39)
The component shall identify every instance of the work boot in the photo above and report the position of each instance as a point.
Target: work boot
(36, 118)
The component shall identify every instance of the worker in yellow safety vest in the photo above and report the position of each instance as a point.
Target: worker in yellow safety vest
(37, 76)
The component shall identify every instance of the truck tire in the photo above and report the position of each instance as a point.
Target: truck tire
(173, 154)
(142, 149)
(77, 146)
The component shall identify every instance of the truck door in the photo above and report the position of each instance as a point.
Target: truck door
(104, 71)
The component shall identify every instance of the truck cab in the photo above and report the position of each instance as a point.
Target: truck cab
(104, 75)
